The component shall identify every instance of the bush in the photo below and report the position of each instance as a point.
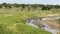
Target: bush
(9, 6)
(46, 8)
(0, 6)
(5, 5)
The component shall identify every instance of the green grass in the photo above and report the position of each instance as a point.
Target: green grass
(13, 16)
(21, 29)
(24, 29)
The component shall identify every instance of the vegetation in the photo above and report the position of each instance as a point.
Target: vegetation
(33, 6)
(13, 16)
(0, 6)
(59, 24)
(59, 21)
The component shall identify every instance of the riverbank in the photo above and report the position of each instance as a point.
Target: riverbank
(46, 23)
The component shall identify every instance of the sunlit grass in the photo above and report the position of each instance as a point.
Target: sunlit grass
(14, 16)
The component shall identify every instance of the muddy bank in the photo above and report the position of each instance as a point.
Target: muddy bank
(45, 23)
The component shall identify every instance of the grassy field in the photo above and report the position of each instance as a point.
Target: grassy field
(14, 20)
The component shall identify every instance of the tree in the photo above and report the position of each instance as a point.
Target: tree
(57, 6)
(29, 7)
(0, 6)
(23, 6)
(44, 8)
(16, 5)
(48, 7)
(5, 5)
(34, 6)
(9, 6)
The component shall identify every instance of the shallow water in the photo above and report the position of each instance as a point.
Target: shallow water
(47, 27)
(30, 24)
(53, 31)
(50, 18)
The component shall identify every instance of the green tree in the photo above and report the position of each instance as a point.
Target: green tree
(57, 6)
(34, 6)
(29, 7)
(47, 7)
(0, 6)
(44, 8)
(16, 5)
(9, 6)
(5, 5)
(23, 6)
